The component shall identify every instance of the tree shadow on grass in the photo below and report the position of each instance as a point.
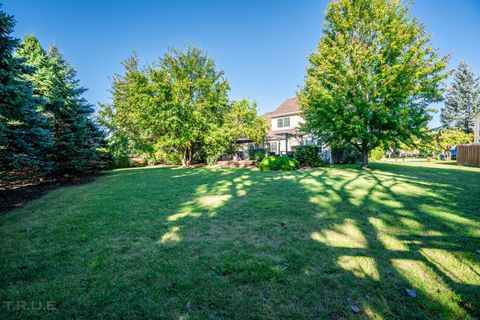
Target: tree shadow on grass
(236, 243)
(405, 240)
(326, 242)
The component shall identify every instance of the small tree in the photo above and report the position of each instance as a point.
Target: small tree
(448, 138)
(372, 76)
(463, 100)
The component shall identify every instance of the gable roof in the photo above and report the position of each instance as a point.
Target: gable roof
(288, 106)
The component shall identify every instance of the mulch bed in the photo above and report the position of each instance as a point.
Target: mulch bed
(237, 164)
(16, 195)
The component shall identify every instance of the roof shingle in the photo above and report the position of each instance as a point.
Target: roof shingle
(288, 106)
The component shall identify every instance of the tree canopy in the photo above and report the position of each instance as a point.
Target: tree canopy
(372, 76)
(176, 110)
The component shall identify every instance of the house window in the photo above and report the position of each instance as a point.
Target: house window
(283, 122)
(309, 141)
(280, 123)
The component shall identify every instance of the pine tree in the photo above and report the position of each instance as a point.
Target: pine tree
(35, 57)
(75, 135)
(74, 148)
(463, 100)
(24, 132)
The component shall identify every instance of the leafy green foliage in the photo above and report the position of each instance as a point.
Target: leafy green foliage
(463, 100)
(281, 163)
(257, 154)
(239, 120)
(307, 156)
(176, 110)
(376, 153)
(446, 139)
(372, 76)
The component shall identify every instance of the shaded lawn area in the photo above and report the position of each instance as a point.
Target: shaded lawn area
(236, 243)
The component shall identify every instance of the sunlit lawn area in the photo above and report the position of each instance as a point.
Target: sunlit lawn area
(236, 243)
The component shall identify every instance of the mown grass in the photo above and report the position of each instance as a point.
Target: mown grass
(235, 243)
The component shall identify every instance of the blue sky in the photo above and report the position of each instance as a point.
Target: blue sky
(261, 45)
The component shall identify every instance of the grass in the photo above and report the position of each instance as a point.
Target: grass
(235, 243)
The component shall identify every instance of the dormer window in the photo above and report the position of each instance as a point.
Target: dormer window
(283, 122)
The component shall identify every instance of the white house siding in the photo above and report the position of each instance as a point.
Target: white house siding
(295, 121)
(477, 128)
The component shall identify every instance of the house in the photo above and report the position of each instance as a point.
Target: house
(284, 130)
(476, 128)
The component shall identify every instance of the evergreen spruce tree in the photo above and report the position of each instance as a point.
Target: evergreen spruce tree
(74, 148)
(75, 135)
(35, 57)
(24, 132)
(463, 100)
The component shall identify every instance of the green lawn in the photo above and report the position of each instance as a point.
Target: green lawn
(235, 243)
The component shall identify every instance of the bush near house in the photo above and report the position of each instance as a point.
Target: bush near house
(307, 156)
(282, 163)
(257, 154)
(345, 155)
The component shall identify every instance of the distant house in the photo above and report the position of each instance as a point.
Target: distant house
(285, 132)
(476, 128)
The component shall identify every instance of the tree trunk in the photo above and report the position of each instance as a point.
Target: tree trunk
(185, 159)
(365, 159)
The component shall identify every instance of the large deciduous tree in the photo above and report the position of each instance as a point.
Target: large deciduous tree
(462, 101)
(372, 76)
(176, 110)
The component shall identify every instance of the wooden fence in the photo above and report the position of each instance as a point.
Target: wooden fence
(469, 154)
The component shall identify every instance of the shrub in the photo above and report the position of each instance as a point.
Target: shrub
(376, 154)
(345, 155)
(307, 156)
(257, 154)
(121, 163)
(282, 163)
